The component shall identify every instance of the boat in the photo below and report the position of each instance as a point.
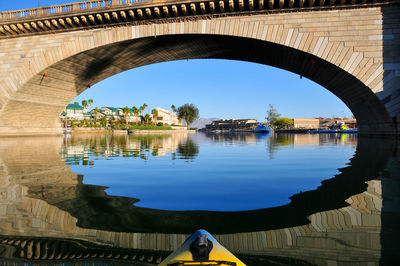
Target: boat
(201, 248)
(260, 128)
(334, 131)
(351, 131)
(324, 131)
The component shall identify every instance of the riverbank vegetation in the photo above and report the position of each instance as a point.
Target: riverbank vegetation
(143, 121)
(274, 118)
(189, 113)
(141, 127)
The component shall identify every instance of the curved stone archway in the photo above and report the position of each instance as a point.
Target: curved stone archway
(51, 70)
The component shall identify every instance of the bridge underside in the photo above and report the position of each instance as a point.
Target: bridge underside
(43, 98)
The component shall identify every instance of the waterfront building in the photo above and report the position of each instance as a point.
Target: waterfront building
(111, 112)
(301, 123)
(232, 124)
(324, 123)
(166, 117)
(99, 115)
(116, 113)
(337, 122)
(75, 112)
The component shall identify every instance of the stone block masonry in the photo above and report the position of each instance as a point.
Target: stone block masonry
(353, 52)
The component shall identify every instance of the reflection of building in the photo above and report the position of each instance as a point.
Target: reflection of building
(235, 138)
(79, 147)
(232, 124)
(322, 139)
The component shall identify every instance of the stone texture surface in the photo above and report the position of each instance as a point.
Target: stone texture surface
(354, 53)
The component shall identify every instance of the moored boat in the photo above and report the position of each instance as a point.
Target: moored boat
(334, 131)
(201, 248)
(260, 128)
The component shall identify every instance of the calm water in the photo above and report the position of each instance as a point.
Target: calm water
(271, 200)
(215, 173)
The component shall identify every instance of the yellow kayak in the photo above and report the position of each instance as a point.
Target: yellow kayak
(201, 249)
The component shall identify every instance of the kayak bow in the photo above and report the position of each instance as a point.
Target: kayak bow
(201, 248)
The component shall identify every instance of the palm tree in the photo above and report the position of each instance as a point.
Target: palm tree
(189, 113)
(154, 112)
(84, 104)
(136, 112)
(96, 112)
(90, 103)
(147, 118)
(174, 112)
(126, 111)
(145, 106)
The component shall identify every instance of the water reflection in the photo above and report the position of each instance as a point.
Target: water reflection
(351, 218)
(235, 166)
(187, 150)
(81, 148)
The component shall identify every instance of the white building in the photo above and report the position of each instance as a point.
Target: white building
(75, 112)
(166, 117)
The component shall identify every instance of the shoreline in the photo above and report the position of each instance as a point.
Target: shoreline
(128, 132)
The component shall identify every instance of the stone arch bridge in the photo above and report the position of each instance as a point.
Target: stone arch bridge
(49, 55)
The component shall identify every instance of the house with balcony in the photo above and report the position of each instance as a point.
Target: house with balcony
(166, 117)
(75, 112)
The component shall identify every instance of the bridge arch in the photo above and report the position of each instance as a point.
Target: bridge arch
(51, 70)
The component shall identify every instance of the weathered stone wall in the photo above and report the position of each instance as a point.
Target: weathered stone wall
(362, 42)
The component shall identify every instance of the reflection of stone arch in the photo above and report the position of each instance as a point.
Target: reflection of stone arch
(316, 45)
(20, 249)
(65, 209)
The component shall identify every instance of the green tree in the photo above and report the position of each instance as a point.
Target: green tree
(136, 112)
(283, 122)
(76, 103)
(96, 112)
(173, 109)
(272, 115)
(154, 112)
(126, 112)
(147, 118)
(90, 103)
(84, 104)
(144, 106)
(188, 112)
(141, 112)
(174, 112)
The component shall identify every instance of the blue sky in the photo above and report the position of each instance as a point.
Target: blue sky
(219, 88)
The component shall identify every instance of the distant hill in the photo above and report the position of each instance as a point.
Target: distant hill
(202, 122)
